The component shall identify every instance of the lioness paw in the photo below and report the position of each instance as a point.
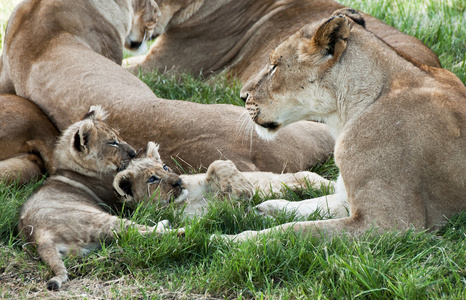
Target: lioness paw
(271, 207)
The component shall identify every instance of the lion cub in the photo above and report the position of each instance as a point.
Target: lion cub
(147, 177)
(69, 214)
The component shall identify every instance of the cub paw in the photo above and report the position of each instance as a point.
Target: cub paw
(226, 179)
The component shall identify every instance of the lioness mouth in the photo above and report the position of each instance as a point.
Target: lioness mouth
(273, 126)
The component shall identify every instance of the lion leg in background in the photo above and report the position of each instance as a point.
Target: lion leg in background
(27, 138)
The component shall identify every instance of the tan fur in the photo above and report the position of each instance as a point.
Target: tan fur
(148, 179)
(27, 138)
(69, 214)
(399, 125)
(66, 62)
(211, 36)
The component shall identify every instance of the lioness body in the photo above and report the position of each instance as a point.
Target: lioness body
(27, 138)
(69, 214)
(399, 125)
(212, 36)
(66, 65)
(147, 178)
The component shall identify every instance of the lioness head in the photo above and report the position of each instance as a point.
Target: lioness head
(90, 147)
(301, 79)
(145, 15)
(147, 178)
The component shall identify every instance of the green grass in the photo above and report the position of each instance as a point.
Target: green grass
(288, 266)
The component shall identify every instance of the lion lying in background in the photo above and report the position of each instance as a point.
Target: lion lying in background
(69, 214)
(27, 138)
(211, 36)
(66, 62)
(399, 125)
(147, 178)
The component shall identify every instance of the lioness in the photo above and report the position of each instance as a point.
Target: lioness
(65, 62)
(69, 214)
(27, 138)
(399, 125)
(211, 36)
(148, 178)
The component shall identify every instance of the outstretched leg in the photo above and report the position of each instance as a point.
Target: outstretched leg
(330, 206)
(49, 254)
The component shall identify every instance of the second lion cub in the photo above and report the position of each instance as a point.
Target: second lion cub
(147, 177)
(69, 214)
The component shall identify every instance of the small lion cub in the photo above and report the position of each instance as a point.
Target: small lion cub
(70, 213)
(147, 178)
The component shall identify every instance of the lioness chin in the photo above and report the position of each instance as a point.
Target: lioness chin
(399, 125)
(147, 178)
(69, 214)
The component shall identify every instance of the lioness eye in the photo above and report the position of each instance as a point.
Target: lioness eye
(153, 179)
(165, 168)
(272, 69)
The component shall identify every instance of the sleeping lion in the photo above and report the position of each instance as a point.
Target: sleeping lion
(236, 36)
(64, 56)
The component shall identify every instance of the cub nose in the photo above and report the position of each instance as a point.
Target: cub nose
(132, 153)
(177, 183)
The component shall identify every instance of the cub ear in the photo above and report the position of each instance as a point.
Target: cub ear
(83, 136)
(96, 113)
(329, 41)
(123, 185)
(152, 151)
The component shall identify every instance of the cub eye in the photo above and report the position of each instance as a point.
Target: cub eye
(166, 168)
(272, 69)
(114, 143)
(153, 179)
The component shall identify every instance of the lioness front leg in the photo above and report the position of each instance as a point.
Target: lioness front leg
(225, 179)
(330, 206)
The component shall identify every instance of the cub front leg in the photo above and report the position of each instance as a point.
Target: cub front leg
(225, 179)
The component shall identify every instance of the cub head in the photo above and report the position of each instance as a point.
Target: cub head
(299, 80)
(147, 178)
(90, 147)
(145, 15)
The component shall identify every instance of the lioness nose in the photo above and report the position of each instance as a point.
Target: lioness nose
(244, 97)
(135, 44)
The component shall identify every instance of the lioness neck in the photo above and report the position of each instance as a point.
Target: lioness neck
(380, 66)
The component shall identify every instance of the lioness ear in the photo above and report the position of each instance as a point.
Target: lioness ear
(353, 14)
(123, 185)
(329, 42)
(82, 137)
